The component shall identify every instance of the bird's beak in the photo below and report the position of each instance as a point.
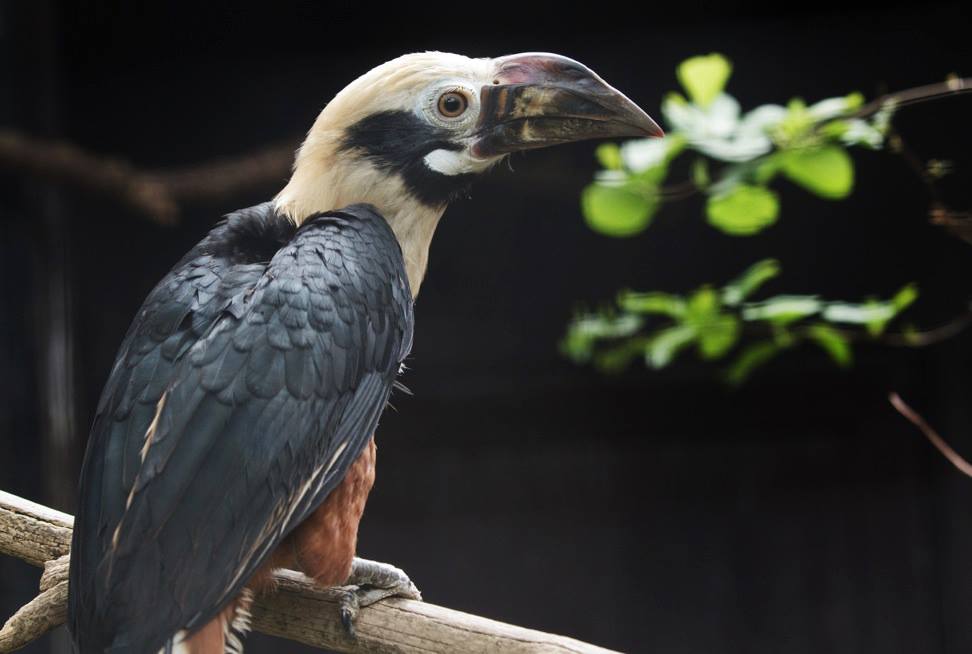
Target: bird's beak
(540, 99)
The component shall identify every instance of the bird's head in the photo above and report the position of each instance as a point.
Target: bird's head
(410, 135)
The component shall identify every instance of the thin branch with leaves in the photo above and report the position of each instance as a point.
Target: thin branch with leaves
(734, 160)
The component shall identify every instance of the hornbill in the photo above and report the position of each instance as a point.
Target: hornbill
(235, 432)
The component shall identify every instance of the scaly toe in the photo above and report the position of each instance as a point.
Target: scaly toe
(382, 576)
(371, 582)
(348, 605)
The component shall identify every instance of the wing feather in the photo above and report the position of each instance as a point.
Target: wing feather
(275, 377)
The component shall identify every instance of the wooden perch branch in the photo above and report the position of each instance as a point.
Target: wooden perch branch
(298, 610)
(155, 194)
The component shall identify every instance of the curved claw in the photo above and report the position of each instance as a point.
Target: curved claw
(370, 582)
(349, 605)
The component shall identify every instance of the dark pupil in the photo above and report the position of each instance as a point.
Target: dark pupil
(452, 104)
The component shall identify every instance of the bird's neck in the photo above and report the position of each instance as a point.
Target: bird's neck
(325, 181)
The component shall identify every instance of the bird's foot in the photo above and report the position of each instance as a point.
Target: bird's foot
(370, 582)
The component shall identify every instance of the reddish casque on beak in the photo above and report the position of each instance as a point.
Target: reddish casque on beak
(540, 99)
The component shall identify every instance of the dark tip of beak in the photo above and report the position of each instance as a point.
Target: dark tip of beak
(540, 99)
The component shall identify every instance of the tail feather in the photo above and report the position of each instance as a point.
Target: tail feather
(222, 635)
(236, 629)
(176, 644)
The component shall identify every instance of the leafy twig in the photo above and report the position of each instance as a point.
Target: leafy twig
(928, 92)
(933, 336)
(926, 338)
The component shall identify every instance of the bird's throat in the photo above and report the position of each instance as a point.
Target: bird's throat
(414, 231)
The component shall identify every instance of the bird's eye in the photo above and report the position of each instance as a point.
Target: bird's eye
(452, 104)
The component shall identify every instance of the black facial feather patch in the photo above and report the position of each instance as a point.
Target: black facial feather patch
(398, 141)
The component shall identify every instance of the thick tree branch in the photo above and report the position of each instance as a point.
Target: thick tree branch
(33, 532)
(36, 618)
(298, 610)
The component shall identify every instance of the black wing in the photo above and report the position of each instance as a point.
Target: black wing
(264, 399)
(176, 314)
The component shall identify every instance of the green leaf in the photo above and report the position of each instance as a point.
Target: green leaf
(702, 305)
(854, 100)
(704, 77)
(743, 210)
(650, 178)
(609, 155)
(873, 314)
(700, 173)
(577, 346)
(853, 131)
(796, 128)
(615, 359)
(783, 309)
(796, 106)
(617, 210)
(836, 129)
(585, 330)
(827, 171)
(717, 336)
(905, 297)
(833, 342)
(717, 331)
(767, 168)
(749, 359)
(667, 343)
(782, 336)
(601, 326)
(749, 281)
(868, 313)
(664, 304)
(830, 108)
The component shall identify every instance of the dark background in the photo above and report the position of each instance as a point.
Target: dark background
(655, 512)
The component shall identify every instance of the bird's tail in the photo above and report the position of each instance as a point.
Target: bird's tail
(222, 635)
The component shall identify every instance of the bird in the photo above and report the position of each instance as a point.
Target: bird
(235, 433)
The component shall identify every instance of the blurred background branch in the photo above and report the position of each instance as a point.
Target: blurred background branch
(155, 194)
(956, 459)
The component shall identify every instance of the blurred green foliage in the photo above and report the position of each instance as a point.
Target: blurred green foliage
(726, 324)
(734, 159)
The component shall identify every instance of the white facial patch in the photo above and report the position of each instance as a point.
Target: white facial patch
(456, 162)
